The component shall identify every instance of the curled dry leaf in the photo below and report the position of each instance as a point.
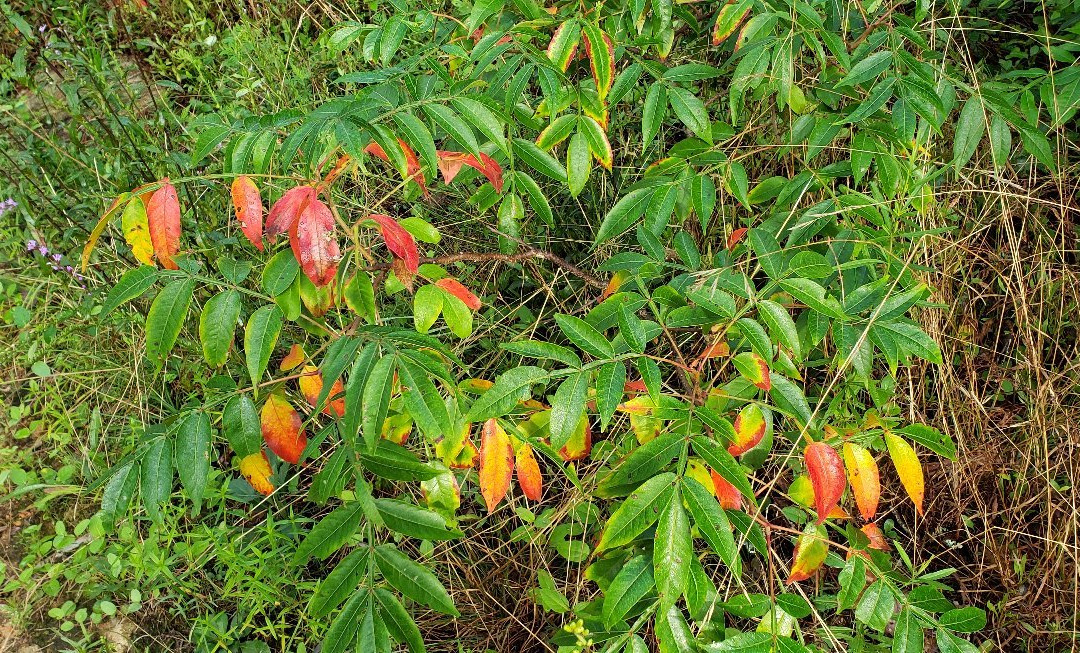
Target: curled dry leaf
(311, 384)
(908, 468)
(826, 472)
(281, 429)
(163, 218)
(399, 241)
(249, 209)
(317, 242)
(293, 359)
(450, 164)
(256, 470)
(735, 237)
(749, 430)
(528, 473)
(286, 211)
(864, 478)
(454, 287)
(496, 463)
(876, 536)
(810, 551)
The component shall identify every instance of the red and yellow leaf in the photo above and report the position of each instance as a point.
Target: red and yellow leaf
(876, 536)
(163, 219)
(617, 280)
(454, 287)
(864, 478)
(754, 369)
(311, 384)
(281, 429)
(749, 430)
(293, 359)
(396, 428)
(249, 209)
(726, 494)
(450, 164)
(399, 241)
(286, 211)
(826, 472)
(810, 551)
(601, 60)
(496, 463)
(728, 19)
(319, 251)
(256, 470)
(718, 349)
(801, 491)
(563, 44)
(908, 468)
(528, 473)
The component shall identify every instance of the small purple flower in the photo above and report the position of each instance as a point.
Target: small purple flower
(57, 257)
(69, 269)
(43, 250)
(31, 245)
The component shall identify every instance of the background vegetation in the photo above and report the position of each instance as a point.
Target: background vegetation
(98, 99)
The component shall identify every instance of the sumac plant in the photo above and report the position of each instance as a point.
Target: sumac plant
(732, 199)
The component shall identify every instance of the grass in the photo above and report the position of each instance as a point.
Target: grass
(108, 103)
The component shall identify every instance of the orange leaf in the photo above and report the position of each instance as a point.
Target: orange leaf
(735, 237)
(496, 463)
(908, 468)
(810, 551)
(749, 430)
(293, 359)
(281, 429)
(450, 164)
(617, 280)
(319, 252)
(864, 479)
(826, 476)
(454, 287)
(286, 211)
(528, 473)
(718, 349)
(399, 241)
(249, 209)
(256, 469)
(726, 494)
(163, 218)
(311, 384)
(580, 443)
(876, 536)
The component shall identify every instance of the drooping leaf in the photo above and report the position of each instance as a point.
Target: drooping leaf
(240, 421)
(256, 470)
(749, 430)
(529, 478)
(281, 429)
(319, 250)
(311, 385)
(260, 337)
(496, 463)
(450, 164)
(826, 472)
(249, 209)
(286, 211)
(754, 369)
(217, 325)
(330, 533)
(136, 230)
(455, 288)
(399, 241)
(810, 551)
(863, 475)
(163, 220)
(672, 550)
(413, 579)
(908, 468)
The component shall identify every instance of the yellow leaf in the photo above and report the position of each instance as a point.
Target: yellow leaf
(908, 467)
(99, 228)
(137, 231)
(864, 478)
(256, 469)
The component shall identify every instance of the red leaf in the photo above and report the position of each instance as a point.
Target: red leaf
(281, 429)
(163, 218)
(249, 209)
(876, 535)
(412, 162)
(496, 463)
(735, 237)
(319, 251)
(286, 211)
(399, 241)
(450, 165)
(826, 472)
(454, 287)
